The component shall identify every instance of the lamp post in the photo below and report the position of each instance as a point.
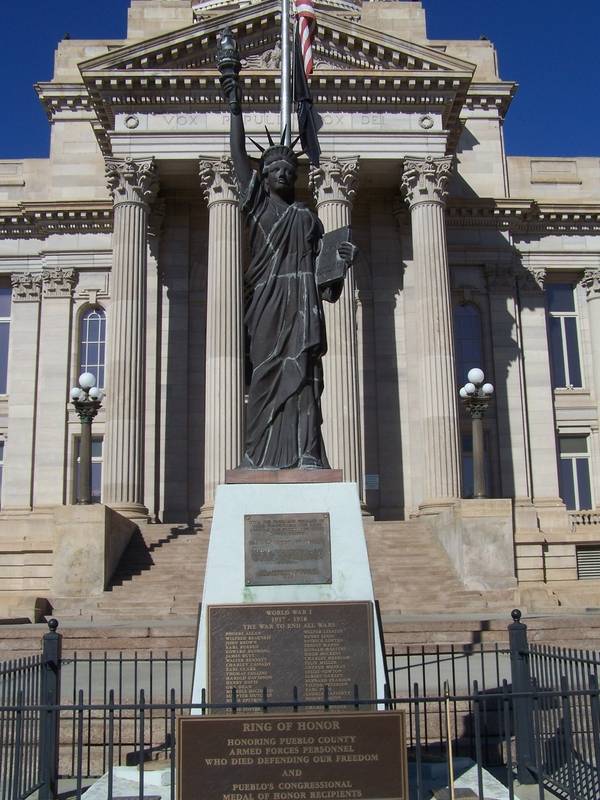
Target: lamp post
(476, 395)
(87, 399)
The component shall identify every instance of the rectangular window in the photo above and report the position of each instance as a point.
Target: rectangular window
(96, 469)
(5, 300)
(574, 472)
(563, 336)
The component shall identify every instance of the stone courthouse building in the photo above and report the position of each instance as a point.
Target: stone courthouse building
(122, 254)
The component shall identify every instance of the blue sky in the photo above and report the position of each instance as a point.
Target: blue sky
(548, 46)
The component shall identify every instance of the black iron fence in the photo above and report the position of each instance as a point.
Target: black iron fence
(530, 713)
(20, 696)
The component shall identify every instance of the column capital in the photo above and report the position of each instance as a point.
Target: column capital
(425, 180)
(132, 181)
(591, 283)
(218, 179)
(335, 180)
(531, 279)
(59, 282)
(26, 287)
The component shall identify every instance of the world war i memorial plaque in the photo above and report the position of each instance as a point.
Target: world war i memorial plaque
(282, 646)
(353, 756)
(282, 549)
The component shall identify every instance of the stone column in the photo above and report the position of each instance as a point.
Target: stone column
(17, 482)
(224, 409)
(133, 185)
(151, 467)
(509, 382)
(591, 284)
(424, 187)
(334, 184)
(53, 384)
(538, 393)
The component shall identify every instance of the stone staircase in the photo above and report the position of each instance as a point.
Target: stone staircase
(152, 603)
(412, 574)
(160, 576)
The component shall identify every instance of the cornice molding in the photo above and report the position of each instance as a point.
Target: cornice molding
(523, 216)
(40, 220)
(60, 97)
(485, 97)
(355, 66)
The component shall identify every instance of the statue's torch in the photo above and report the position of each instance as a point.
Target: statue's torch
(229, 65)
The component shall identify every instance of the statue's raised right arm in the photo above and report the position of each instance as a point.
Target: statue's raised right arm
(237, 134)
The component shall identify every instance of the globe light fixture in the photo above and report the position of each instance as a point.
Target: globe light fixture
(87, 400)
(476, 395)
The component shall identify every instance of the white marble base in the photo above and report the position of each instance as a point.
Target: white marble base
(224, 581)
(465, 783)
(126, 783)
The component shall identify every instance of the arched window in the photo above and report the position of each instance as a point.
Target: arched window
(92, 343)
(467, 340)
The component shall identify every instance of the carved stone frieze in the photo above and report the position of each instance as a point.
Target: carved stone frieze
(26, 286)
(218, 180)
(531, 280)
(425, 180)
(269, 59)
(335, 180)
(58, 282)
(591, 283)
(132, 181)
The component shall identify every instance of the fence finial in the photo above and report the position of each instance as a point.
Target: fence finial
(516, 615)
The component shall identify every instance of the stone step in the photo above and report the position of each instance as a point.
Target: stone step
(179, 634)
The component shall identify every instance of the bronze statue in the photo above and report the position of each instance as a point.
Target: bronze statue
(284, 312)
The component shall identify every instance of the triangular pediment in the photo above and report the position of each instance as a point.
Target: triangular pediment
(340, 44)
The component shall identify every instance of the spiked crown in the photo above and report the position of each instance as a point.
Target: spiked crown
(276, 152)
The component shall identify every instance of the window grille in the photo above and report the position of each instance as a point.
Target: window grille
(588, 562)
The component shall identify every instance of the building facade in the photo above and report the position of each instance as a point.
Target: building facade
(122, 254)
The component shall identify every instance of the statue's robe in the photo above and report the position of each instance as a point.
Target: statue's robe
(284, 319)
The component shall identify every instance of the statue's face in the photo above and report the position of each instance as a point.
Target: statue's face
(280, 177)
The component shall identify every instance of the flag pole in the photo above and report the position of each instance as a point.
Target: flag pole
(286, 75)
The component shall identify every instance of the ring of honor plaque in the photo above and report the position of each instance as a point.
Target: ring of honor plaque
(283, 549)
(354, 756)
(279, 647)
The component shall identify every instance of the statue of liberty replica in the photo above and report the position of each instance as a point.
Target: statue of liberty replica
(288, 278)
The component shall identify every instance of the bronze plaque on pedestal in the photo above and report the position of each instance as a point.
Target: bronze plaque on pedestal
(282, 549)
(279, 647)
(290, 757)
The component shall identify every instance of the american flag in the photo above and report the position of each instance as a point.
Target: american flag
(306, 28)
